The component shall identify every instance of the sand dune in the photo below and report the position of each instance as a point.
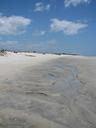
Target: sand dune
(47, 91)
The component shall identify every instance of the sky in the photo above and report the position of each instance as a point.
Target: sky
(48, 26)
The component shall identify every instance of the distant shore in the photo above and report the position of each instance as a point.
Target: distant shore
(2, 51)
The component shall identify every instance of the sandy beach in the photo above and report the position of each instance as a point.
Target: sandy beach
(47, 91)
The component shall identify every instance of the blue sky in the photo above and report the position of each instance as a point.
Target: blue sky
(49, 25)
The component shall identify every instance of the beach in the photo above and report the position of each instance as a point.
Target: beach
(47, 91)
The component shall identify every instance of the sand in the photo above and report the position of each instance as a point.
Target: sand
(47, 91)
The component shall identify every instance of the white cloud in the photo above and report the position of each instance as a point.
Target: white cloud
(1, 13)
(51, 43)
(9, 44)
(40, 7)
(39, 33)
(47, 7)
(13, 25)
(68, 27)
(75, 2)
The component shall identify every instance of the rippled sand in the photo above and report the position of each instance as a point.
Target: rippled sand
(47, 91)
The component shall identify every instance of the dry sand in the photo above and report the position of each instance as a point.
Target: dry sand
(47, 91)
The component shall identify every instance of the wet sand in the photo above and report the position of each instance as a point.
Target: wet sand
(51, 92)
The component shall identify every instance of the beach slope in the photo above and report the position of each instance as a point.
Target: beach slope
(47, 91)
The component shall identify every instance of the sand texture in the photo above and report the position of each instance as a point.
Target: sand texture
(47, 91)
